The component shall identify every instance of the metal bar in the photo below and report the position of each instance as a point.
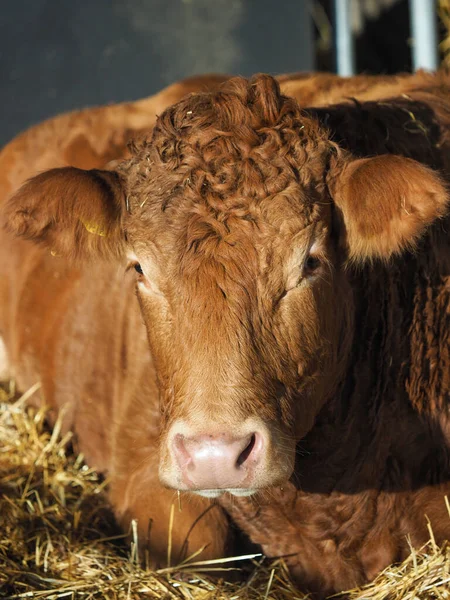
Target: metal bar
(424, 34)
(345, 56)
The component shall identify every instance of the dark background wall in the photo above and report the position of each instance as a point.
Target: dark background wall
(56, 55)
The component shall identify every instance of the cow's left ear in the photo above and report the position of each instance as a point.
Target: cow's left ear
(74, 213)
(387, 202)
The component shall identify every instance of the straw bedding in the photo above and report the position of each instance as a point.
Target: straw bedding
(58, 537)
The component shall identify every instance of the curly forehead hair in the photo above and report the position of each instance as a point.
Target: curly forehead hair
(244, 140)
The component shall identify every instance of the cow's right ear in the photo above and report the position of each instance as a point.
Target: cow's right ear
(75, 213)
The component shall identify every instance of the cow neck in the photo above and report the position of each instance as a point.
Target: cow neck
(384, 417)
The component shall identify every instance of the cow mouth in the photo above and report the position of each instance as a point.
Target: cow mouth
(239, 492)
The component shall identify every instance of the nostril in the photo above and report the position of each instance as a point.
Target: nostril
(183, 456)
(246, 451)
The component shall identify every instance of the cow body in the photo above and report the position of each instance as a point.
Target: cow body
(293, 288)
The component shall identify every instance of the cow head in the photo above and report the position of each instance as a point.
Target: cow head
(240, 217)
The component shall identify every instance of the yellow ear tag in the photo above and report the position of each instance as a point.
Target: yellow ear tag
(54, 253)
(94, 228)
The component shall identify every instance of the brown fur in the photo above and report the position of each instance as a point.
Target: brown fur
(247, 213)
(82, 208)
(386, 201)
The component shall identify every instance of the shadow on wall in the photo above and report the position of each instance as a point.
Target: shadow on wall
(56, 56)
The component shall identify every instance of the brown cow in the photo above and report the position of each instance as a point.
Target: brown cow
(292, 271)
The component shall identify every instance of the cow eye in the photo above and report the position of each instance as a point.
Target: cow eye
(312, 263)
(138, 268)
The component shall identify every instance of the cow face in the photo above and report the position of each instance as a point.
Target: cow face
(238, 217)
